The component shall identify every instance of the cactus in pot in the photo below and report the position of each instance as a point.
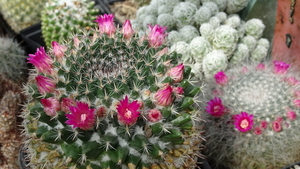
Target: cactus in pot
(253, 116)
(60, 19)
(108, 99)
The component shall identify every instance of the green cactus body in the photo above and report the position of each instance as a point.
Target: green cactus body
(20, 14)
(60, 19)
(253, 117)
(113, 75)
(12, 59)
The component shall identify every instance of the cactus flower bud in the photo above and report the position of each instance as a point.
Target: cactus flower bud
(58, 50)
(261, 66)
(127, 29)
(157, 35)
(81, 116)
(41, 61)
(106, 24)
(176, 73)
(45, 84)
(154, 115)
(128, 112)
(66, 103)
(51, 106)
(276, 126)
(291, 115)
(163, 96)
(280, 67)
(178, 90)
(221, 78)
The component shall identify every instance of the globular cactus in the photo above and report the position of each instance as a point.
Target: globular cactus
(20, 14)
(11, 98)
(12, 59)
(61, 18)
(111, 100)
(253, 117)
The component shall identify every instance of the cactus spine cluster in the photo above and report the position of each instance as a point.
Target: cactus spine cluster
(111, 100)
(60, 19)
(20, 14)
(253, 116)
(11, 99)
(12, 59)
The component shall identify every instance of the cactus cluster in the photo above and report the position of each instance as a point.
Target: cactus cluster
(11, 98)
(61, 18)
(20, 14)
(12, 59)
(253, 116)
(109, 99)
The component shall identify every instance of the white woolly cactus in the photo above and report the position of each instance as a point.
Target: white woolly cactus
(12, 59)
(252, 115)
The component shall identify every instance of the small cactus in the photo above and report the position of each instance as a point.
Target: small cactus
(12, 59)
(60, 19)
(111, 100)
(253, 117)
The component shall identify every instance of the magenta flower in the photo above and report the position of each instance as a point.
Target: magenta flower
(163, 96)
(154, 115)
(215, 107)
(176, 73)
(221, 78)
(127, 29)
(128, 112)
(264, 124)
(261, 66)
(292, 81)
(297, 103)
(257, 130)
(291, 115)
(280, 67)
(66, 103)
(244, 121)
(276, 126)
(106, 24)
(58, 50)
(81, 116)
(157, 35)
(41, 61)
(51, 106)
(45, 84)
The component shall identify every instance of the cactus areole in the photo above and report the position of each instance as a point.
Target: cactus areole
(111, 100)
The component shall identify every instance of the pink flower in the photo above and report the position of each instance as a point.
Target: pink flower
(178, 90)
(297, 103)
(276, 126)
(51, 106)
(221, 78)
(66, 103)
(106, 24)
(81, 116)
(58, 50)
(157, 35)
(260, 66)
(154, 115)
(292, 81)
(163, 96)
(280, 67)
(297, 94)
(244, 122)
(45, 84)
(291, 115)
(128, 112)
(41, 61)
(127, 29)
(257, 130)
(215, 107)
(264, 124)
(176, 73)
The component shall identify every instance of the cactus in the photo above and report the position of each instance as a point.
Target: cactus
(11, 140)
(253, 116)
(60, 19)
(111, 100)
(12, 59)
(20, 14)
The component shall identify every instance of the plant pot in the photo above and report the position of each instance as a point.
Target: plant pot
(5, 29)
(33, 37)
(22, 158)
